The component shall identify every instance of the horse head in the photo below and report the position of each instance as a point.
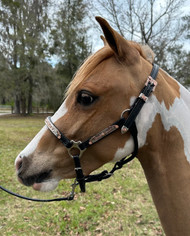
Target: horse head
(105, 85)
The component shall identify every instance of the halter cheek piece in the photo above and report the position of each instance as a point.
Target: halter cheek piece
(76, 148)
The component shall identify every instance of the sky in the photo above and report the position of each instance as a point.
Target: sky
(95, 30)
(95, 34)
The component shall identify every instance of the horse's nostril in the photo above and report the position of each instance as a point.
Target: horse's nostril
(19, 164)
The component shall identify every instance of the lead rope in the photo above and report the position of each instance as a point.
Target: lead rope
(69, 198)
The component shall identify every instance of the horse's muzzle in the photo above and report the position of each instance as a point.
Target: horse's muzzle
(37, 178)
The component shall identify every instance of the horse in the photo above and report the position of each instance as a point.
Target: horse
(106, 86)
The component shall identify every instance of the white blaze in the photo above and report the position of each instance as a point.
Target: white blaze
(30, 148)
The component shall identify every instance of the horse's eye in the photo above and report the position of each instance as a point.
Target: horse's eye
(85, 98)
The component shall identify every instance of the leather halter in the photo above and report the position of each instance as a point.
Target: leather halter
(76, 148)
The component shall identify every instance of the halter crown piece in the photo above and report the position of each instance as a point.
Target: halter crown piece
(76, 148)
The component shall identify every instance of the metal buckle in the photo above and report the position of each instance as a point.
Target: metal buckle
(152, 82)
(124, 128)
(143, 97)
(72, 193)
(75, 149)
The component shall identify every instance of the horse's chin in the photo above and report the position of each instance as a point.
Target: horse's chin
(46, 186)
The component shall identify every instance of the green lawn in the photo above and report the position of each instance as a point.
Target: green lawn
(121, 205)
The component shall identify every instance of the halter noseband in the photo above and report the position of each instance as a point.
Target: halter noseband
(76, 148)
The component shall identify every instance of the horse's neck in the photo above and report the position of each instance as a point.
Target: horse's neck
(164, 138)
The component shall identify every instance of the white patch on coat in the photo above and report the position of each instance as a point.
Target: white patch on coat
(126, 150)
(129, 145)
(178, 115)
(30, 148)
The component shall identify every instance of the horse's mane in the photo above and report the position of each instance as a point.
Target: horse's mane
(95, 59)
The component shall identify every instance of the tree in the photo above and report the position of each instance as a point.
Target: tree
(186, 26)
(156, 23)
(181, 56)
(5, 81)
(48, 90)
(144, 20)
(23, 24)
(27, 47)
(70, 37)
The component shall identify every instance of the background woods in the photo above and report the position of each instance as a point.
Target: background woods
(43, 42)
(32, 32)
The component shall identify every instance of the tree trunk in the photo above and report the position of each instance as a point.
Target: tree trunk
(30, 95)
(23, 104)
(3, 101)
(30, 103)
(17, 105)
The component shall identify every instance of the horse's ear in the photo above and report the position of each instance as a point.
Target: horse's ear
(119, 45)
(148, 53)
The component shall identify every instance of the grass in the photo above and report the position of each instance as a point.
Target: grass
(121, 205)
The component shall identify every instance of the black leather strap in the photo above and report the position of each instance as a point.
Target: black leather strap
(79, 173)
(140, 101)
(58, 134)
(87, 143)
(154, 71)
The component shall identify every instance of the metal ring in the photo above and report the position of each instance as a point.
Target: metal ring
(123, 112)
(75, 147)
